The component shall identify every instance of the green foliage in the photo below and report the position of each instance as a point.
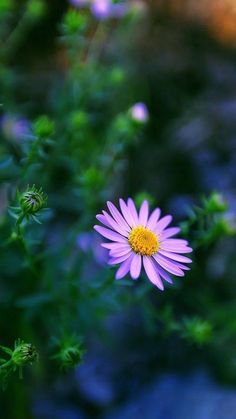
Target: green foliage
(36, 8)
(214, 204)
(117, 75)
(141, 196)
(196, 330)
(5, 6)
(208, 223)
(79, 120)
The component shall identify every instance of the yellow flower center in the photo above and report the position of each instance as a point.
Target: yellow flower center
(143, 241)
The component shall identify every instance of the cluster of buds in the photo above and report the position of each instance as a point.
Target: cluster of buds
(209, 222)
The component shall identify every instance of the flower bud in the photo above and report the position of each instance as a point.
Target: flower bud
(71, 357)
(70, 352)
(74, 22)
(32, 200)
(139, 113)
(44, 127)
(24, 353)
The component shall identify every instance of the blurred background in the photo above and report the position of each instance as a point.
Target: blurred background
(101, 100)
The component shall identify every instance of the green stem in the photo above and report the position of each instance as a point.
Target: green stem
(93, 50)
(16, 35)
(24, 246)
(18, 224)
(30, 158)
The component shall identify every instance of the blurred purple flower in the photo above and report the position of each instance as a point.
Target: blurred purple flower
(101, 8)
(79, 3)
(90, 242)
(104, 9)
(180, 204)
(119, 10)
(84, 241)
(139, 112)
(14, 127)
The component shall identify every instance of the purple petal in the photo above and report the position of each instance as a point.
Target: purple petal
(135, 267)
(109, 234)
(181, 266)
(119, 252)
(155, 215)
(186, 249)
(143, 213)
(152, 272)
(169, 232)
(103, 220)
(115, 246)
(133, 210)
(163, 223)
(176, 242)
(173, 263)
(115, 261)
(126, 213)
(116, 226)
(168, 265)
(124, 268)
(170, 247)
(164, 275)
(117, 216)
(175, 256)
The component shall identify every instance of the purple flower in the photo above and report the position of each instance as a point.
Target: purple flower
(90, 242)
(14, 127)
(104, 9)
(139, 112)
(138, 238)
(79, 3)
(101, 8)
